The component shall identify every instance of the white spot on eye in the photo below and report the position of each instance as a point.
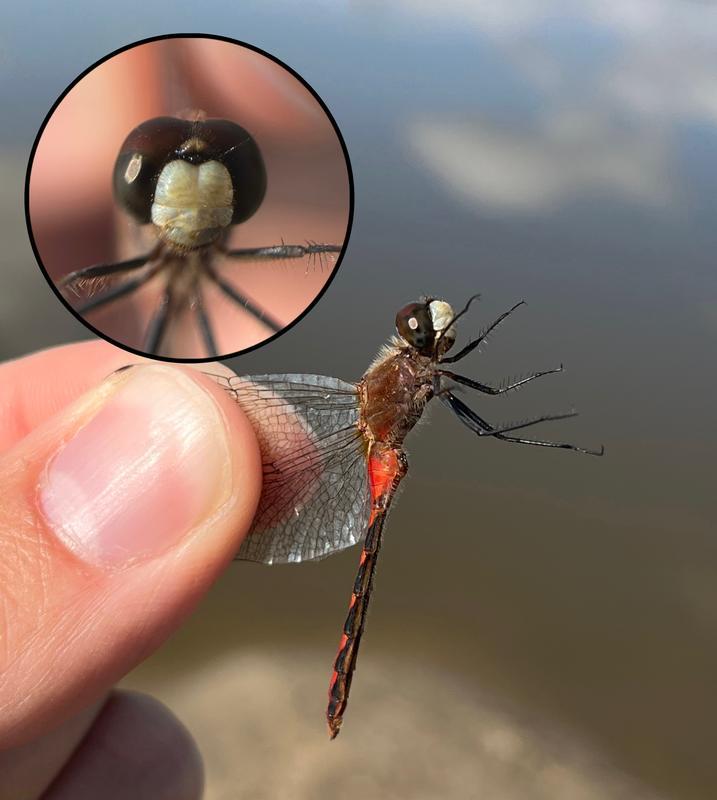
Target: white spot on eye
(133, 168)
(413, 323)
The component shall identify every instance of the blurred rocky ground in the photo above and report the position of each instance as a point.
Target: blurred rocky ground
(410, 732)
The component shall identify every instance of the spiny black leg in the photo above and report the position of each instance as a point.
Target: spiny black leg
(562, 445)
(158, 324)
(528, 423)
(280, 251)
(472, 345)
(482, 428)
(113, 294)
(205, 325)
(102, 270)
(482, 387)
(244, 302)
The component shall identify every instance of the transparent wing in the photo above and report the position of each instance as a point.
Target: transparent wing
(315, 499)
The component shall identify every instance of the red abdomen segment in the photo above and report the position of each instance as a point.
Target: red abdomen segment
(386, 467)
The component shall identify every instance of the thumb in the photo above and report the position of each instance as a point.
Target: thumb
(115, 516)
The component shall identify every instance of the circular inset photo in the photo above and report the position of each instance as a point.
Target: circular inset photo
(189, 197)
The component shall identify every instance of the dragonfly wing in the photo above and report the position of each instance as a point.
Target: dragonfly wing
(315, 499)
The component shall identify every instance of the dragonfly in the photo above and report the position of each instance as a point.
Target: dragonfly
(333, 457)
(192, 180)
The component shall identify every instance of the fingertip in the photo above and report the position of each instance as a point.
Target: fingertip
(153, 459)
(136, 748)
(127, 505)
(244, 447)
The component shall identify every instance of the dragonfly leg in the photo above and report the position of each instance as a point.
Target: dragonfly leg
(482, 387)
(205, 324)
(117, 292)
(103, 270)
(244, 302)
(158, 324)
(282, 251)
(482, 428)
(481, 338)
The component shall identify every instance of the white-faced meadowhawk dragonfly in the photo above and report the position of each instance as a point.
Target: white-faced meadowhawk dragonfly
(193, 180)
(333, 458)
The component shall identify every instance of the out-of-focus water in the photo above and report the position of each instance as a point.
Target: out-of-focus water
(558, 153)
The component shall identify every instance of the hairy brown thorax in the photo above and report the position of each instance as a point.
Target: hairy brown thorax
(394, 391)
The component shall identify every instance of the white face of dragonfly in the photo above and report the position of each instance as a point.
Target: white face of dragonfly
(192, 202)
(442, 315)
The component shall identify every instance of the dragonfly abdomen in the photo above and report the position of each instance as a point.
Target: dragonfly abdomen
(353, 629)
(386, 468)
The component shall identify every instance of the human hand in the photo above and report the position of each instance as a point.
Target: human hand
(123, 497)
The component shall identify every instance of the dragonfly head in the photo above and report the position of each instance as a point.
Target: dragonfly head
(191, 178)
(427, 326)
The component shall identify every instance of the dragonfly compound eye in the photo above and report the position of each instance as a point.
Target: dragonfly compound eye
(191, 178)
(414, 323)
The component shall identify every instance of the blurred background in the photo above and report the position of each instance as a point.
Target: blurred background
(543, 623)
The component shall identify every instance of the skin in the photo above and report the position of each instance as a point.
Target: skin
(70, 627)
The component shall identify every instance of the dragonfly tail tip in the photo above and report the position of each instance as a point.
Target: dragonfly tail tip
(334, 728)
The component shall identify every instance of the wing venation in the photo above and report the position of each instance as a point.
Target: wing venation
(315, 499)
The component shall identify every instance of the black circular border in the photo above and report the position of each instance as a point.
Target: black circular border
(349, 170)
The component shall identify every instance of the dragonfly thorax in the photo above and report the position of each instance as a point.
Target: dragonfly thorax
(395, 390)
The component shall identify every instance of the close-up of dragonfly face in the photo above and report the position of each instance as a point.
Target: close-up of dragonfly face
(333, 457)
(210, 203)
(192, 180)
